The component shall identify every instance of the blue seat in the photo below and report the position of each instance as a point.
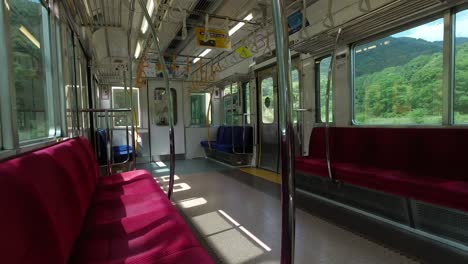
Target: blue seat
(232, 139)
(120, 152)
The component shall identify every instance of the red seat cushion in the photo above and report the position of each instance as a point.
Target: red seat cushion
(44, 196)
(54, 207)
(419, 163)
(137, 187)
(137, 228)
(316, 167)
(124, 177)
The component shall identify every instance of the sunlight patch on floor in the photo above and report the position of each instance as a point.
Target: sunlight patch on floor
(233, 242)
(192, 202)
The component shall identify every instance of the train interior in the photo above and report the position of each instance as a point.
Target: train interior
(234, 131)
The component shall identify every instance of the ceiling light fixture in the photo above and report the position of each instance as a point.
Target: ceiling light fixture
(240, 24)
(137, 50)
(87, 8)
(203, 54)
(28, 34)
(150, 8)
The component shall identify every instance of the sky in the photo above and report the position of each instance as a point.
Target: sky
(434, 31)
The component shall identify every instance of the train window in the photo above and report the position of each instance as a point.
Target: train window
(296, 93)
(119, 100)
(460, 99)
(199, 103)
(82, 86)
(230, 105)
(161, 108)
(246, 101)
(69, 88)
(321, 74)
(398, 78)
(28, 31)
(268, 101)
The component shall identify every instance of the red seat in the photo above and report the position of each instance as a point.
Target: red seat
(124, 178)
(56, 209)
(426, 164)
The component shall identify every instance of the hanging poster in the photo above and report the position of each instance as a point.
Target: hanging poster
(217, 39)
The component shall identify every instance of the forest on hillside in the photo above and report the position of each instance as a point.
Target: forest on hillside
(400, 81)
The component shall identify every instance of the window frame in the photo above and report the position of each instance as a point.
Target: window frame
(174, 105)
(227, 87)
(274, 121)
(206, 98)
(48, 85)
(138, 100)
(318, 101)
(386, 33)
(452, 64)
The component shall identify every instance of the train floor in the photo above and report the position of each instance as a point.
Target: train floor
(236, 215)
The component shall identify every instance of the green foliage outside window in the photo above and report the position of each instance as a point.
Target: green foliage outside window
(26, 34)
(198, 107)
(323, 67)
(230, 105)
(268, 101)
(296, 96)
(246, 103)
(461, 69)
(120, 100)
(398, 79)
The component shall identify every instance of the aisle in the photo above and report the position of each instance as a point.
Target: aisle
(238, 217)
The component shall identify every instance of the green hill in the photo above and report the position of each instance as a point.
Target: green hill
(390, 52)
(412, 89)
(400, 81)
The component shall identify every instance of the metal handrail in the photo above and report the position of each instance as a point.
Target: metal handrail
(331, 69)
(168, 98)
(106, 112)
(129, 68)
(114, 110)
(286, 128)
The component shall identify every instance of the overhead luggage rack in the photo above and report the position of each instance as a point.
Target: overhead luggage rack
(371, 23)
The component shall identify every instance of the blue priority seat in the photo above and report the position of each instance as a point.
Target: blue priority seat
(229, 134)
(214, 144)
(120, 152)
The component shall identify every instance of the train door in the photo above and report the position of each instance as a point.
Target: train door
(268, 152)
(159, 120)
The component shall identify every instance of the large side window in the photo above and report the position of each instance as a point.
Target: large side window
(460, 99)
(121, 100)
(29, 29)
(398, 78)
(321, 75)
(199, 103)
(230, 105)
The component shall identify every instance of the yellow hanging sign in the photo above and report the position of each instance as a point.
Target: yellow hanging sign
(217, 39)
(244, 52)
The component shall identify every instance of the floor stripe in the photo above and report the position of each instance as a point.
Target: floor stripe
(264, 174)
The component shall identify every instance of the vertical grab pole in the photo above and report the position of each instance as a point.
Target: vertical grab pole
(130, 67)
(331, 69)
(126, 115)
(286, 128)
(232, 120)
(168, 98)
(108, 144)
